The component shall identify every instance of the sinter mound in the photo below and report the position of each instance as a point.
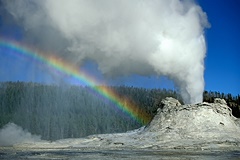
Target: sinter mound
(197, 123)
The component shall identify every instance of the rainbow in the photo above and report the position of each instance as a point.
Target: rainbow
(65, 67)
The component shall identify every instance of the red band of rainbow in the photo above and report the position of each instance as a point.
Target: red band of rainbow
(62, 66)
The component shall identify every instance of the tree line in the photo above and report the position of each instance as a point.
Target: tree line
(232, 101)
(57, 112)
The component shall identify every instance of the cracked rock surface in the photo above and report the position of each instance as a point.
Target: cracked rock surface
(194, 123)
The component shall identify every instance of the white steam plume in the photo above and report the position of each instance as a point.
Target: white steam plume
(12, 134)
(162, 37)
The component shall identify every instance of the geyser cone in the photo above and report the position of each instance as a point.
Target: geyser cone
(198, 122)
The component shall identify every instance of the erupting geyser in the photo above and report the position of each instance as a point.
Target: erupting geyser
(164, 37)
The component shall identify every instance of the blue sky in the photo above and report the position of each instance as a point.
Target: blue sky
(222, 67)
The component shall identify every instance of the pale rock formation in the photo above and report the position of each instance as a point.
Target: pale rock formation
(203, 123)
